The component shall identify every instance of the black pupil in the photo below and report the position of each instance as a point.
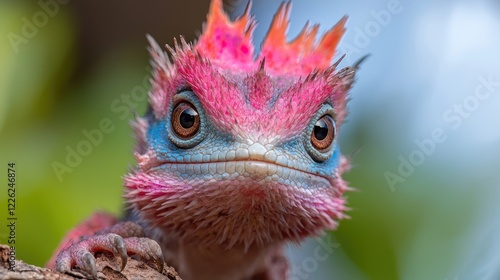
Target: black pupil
(188, 118)
(320, 130)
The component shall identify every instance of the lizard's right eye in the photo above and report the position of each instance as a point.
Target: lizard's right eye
(185, 120)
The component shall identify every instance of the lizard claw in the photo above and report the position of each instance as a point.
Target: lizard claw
(81, 253)
(87, 263)
(120, 249)
(147, 249)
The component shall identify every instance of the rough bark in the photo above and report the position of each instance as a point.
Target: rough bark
(135, 269)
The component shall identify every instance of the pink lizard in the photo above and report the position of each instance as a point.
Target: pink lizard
(236, 157)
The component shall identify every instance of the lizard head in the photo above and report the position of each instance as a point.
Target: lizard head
(240, 149)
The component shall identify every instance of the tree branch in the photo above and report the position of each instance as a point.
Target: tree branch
(135, 269)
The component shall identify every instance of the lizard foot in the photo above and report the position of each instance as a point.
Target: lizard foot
(82, 253)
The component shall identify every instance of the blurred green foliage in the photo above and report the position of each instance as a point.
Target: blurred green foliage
(42, 113)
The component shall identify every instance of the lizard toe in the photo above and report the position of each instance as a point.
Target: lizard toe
(147, 249)
(87, 263)
(119, 249)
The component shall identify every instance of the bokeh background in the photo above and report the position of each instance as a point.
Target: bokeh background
(418, 213)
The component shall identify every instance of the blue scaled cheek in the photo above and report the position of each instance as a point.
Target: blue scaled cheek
(297, 150)
(329, 166)
(158, 140)
(186, 134)
(167, 151)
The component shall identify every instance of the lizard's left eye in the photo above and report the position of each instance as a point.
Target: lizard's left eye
(321, 133)
(185, 120)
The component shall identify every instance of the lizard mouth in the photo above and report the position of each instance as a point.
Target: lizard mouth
(255, 200)
(258, 171)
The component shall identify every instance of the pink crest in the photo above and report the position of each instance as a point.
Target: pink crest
(229, 43)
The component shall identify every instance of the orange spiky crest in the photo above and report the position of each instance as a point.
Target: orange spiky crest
(225, 42)
(228, 44)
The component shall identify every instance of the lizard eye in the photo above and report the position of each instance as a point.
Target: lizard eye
(185, 120)
(319, 137)
(323, 133)
(188, 125)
